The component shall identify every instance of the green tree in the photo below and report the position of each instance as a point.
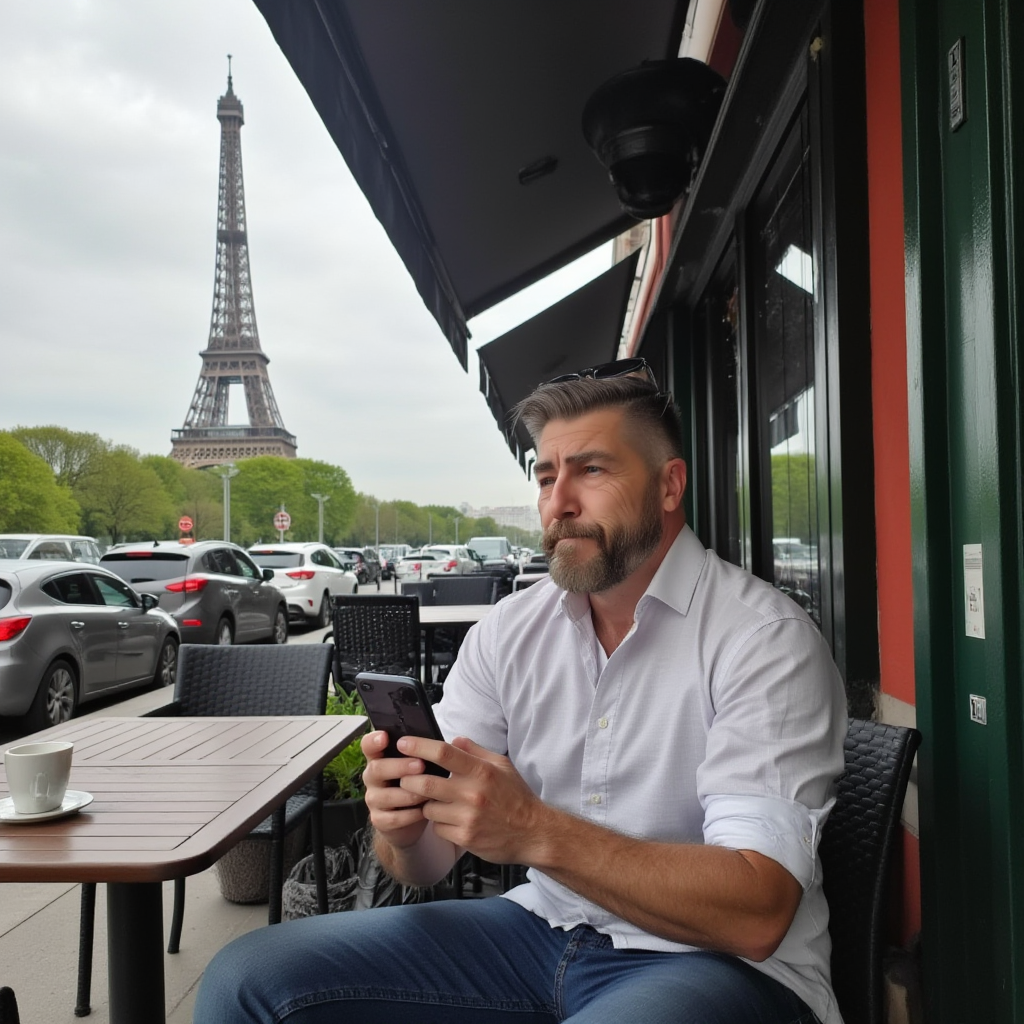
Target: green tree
(794, 497)
(68, 452)
(197, 493)
(31, 500)
(124, 499)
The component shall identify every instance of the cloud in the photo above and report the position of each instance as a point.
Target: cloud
(108, 188)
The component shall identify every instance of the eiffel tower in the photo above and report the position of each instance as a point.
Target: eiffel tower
(233, 354)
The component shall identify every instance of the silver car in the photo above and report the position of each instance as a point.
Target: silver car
(213, 590)
(71, 632)
(60, 547)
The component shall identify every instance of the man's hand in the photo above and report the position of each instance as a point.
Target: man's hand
(484, 806)
(396, 813)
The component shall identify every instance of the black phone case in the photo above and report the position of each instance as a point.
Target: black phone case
(398, 705)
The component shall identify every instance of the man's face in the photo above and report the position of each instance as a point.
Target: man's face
(600, 504)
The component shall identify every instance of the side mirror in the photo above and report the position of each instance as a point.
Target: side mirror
(149, 602)
(268, 575)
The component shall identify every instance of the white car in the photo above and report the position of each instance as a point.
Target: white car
(437, 560)
(308, 575)
(61, 547)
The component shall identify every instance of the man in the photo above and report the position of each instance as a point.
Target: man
(654, 732)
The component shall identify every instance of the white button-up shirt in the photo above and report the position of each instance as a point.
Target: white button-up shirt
(719, 719)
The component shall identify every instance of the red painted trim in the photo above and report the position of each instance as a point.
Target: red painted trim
(889, 349)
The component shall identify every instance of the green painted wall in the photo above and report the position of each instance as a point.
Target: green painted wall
(963, 214)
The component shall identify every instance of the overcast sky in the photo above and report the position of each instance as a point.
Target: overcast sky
(109, 149)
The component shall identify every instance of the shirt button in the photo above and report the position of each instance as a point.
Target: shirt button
(595, 798)
(602, 723)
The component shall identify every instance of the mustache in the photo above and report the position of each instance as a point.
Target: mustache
(569, 529)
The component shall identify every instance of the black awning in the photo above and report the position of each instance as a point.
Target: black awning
(581, 330)
(440, 108)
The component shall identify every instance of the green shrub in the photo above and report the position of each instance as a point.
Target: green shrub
(344, 775)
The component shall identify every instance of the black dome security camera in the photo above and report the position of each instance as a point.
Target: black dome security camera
(649, 127)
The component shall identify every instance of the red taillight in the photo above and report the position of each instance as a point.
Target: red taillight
(191, 622)
(10, 628)
(451, 565)
(189, 585)
(301, 574)
(417, 566)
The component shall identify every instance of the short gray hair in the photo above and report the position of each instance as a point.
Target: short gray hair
(652, 412)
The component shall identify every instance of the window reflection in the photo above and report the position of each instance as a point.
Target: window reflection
(783, 299)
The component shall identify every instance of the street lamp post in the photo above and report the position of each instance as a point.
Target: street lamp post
(228, 470)
(430, 527)
(321, 498)
(457, 518)
(376, 529)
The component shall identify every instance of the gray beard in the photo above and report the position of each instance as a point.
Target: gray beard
(620, 552)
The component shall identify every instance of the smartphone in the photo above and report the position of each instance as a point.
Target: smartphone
(398, 705)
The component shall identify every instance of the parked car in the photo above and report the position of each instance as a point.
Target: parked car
(421, 565)
(453, 560)
(214, 591)
(309, 575)
(495, 551)
(389, 556)
(70, 633)
(54, 546)
(364, 563)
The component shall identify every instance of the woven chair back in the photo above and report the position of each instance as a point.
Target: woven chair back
(466, 590)
(376, 633)
(855, 852)
(286, 680)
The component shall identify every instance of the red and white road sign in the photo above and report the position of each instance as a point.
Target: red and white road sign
(282, 521)
(185, 524)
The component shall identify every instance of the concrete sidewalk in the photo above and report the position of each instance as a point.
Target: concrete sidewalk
(39, 932)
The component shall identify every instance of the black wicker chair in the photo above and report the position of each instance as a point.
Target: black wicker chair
(471, 589)
(422, 590)
(237, 681)
(375, 633)
(8, 1007)
(855, 850)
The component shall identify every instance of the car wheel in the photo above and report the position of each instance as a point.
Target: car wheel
(225, 635)
(355, 589)
(323, 619)
(363, 577)
(280, 634)
(378, 581)
(56, 698)
(167, 663)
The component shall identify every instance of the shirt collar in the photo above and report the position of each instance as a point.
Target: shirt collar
(674, 582)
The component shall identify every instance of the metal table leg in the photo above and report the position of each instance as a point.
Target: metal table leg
(135, 953)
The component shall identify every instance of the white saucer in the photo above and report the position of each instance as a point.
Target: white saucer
(74, 801)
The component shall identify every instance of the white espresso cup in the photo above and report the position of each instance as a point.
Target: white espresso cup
(37, 775)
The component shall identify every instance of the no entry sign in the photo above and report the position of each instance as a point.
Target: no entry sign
(282, 521)
(185, 524)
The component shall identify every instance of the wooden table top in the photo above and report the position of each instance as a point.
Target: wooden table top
(453, 614)
(171, 794)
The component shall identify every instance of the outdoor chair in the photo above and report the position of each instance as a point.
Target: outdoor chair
(470, 589)
(524, 580)
(375, 633)
(214, 681)
(423, 591)
(855, 850)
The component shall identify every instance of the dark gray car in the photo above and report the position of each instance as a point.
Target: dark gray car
(214, 590)
(70, 633)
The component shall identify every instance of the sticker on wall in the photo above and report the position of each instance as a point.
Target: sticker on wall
(974, 592)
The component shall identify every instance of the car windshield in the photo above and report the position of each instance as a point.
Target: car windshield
(146, 566)
(488, 547)
(11, 547)
(439, 553)
(267, 559)
(425, 556)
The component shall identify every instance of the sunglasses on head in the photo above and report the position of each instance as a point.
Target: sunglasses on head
(618, 368)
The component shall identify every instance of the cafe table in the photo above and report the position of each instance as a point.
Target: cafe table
(171, 795)
(457, 617)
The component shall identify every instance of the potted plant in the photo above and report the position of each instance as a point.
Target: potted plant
(344, 805)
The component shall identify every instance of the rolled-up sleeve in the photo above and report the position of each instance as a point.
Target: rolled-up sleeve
(783, 830)
(774, 746)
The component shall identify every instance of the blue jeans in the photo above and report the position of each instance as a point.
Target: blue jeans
(474, 962)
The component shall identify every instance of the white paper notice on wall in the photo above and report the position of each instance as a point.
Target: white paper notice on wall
(974, 592)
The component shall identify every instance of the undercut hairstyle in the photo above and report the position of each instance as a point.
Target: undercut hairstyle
(651, 416)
